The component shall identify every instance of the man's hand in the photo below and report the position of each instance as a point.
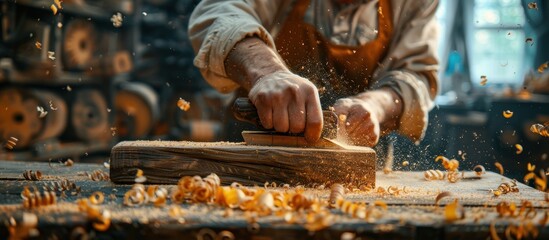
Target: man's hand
(364, 117)
(288, 103)
(284, 101)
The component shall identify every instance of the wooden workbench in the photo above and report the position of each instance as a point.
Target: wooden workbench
(411, 214)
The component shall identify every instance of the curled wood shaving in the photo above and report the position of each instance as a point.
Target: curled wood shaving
(542, 67)
(540, 129)
(433, 175)
(441, 196)
(499, 167)
(337, 192)
(136, 196)
(103, 222)
(62, 185)
(97, 198)
(454, 176)
(117, 19)
(533, 5)
(479, 170)
(519, 148)
(69, 163)
(450, 165)
(33, 198)
(33, 176)
(11, 143)
(507, 114)
(483, 80)
(506, 187)
(183, 105)
(529, 176)
(98, 175)
(53, 9)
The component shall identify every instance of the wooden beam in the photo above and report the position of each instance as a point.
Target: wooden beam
(166, 162)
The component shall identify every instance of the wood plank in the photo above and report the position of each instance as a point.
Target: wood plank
(166, 162)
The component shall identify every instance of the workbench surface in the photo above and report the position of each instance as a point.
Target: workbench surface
(411, 214)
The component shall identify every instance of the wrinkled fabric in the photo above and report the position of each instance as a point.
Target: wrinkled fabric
(410, 66)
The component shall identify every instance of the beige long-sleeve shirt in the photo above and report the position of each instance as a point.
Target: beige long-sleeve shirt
(410, 66)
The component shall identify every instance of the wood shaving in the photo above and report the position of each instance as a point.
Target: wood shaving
(434, 175)
(38, 45)
(533, 5)
(540, 129)
(542, 67)
(442, 195)
(499, 167)
(117, 19)
(69, 163)
(33, 176)
(479, 170)
(97, 198)
(483, 80)
(506, 187)
(183, 105)
(34, 199)
(530, 41)
(519, 148)
(507, 114)
(51, 55)
(98, 175)
(11, 143)
(53, 9)
(42, 112)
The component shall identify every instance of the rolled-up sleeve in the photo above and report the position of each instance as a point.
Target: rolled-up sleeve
(411, 66)
(216, 26)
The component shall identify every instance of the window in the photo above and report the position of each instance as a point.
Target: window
(496, 41)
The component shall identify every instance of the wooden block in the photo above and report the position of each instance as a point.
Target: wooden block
(166, 162)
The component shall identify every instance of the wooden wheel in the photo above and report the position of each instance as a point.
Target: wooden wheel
(20, 118)
(136, 107)
(89, 116)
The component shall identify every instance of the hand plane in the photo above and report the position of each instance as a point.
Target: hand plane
(245, 111)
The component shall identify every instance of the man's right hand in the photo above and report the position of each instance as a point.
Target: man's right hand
(288, 103)
(284, 101)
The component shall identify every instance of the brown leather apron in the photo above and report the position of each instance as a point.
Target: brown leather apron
(337, 70)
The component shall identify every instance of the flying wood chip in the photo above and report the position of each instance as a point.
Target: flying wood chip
(533, 5)
(483, 80)
(543, 66)
(530, 41)
(183, 105)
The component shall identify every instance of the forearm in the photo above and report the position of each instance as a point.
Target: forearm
(250, 60)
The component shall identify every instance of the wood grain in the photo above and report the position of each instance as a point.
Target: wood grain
(166, 162)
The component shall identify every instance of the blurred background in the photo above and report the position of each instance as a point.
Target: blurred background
(74, 83)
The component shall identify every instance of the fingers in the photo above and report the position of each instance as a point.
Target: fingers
(361, 127)
(264, 110)
(314, 123)
(281, 122)
(288, 103)
(297, 116)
